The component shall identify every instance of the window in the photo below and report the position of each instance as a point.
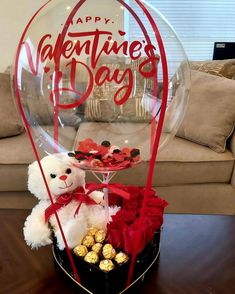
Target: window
(198, 23)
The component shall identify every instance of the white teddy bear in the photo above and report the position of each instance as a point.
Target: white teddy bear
(62, 177)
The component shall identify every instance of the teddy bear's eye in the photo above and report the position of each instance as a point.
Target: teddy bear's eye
(68, 171)
(53, 176)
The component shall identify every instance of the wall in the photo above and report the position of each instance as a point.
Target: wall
(14, 15)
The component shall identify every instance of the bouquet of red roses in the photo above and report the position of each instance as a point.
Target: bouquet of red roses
(122, 230)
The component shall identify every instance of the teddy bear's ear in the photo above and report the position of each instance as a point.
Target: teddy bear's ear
(81, 175)
(35, 181)
(33, 167)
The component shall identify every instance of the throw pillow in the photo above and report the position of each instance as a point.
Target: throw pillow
(38, 105)
(223, 68)
(11, 123)
(210, 116)
(101, 107)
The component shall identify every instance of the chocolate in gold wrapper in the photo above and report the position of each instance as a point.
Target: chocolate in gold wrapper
(108, 251)
(106, 265)
(121, 258)
(80, 250)
(100, 236)
(92, 232)
(88, 241)
(92, 257)
(97, 247)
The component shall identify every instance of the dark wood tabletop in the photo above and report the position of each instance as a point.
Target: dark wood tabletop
(197, 256)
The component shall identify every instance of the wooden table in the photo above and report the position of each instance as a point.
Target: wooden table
(197, 256)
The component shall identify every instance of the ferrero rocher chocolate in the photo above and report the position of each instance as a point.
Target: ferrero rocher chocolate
(121, 258)
(100, 236)
(97, 247)
(92, 257)
(92, 231)
(88, 241)
(108, 251)
(80, 250)
(106, 265)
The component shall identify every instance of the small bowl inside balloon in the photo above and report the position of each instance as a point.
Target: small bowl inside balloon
(105, 156)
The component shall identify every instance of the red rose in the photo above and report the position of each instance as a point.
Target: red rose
(150, 229)
(115, 234)
(133, 189)
(129, 239)
(151, 192)
(146, 232)
(124, 216)
(157, 202)
(114, 199)
(130, 205)
(134, 201)
(155, 215)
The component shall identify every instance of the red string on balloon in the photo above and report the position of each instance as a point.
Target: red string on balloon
(159, 128)
(21, 43)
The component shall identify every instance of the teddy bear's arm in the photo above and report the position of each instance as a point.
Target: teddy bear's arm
(98, 197)
(36, 231)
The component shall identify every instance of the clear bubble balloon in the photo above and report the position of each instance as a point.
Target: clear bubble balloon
(91, 72)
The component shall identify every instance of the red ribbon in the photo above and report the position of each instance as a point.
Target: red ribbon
(65, 199)
(115, 188)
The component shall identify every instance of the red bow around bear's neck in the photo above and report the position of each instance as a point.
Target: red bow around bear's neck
(63, 200)
(80, 196)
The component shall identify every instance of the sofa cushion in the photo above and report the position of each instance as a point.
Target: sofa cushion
(16, 154)
(210, 116)
(38, 105)
(11, 123)
(180, 162)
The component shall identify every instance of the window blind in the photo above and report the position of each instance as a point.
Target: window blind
(198, 23)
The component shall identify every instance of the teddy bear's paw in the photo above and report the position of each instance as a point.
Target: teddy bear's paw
(98, 197)
(37, 236)
(36, 245)
(74, 232)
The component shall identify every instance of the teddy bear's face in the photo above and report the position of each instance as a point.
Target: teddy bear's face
(63, 178)
(61, 175)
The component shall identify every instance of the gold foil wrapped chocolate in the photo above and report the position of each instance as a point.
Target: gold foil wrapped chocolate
(108, 251)
(100, 236)
(80, 250)
(88, 241)
(121, 258)
(97, 247)
(106, 265)
(92, 232)
(92, 257)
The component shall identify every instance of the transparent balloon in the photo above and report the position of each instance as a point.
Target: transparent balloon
(95, 70)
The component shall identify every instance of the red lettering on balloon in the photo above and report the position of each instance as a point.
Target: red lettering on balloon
(89, 44)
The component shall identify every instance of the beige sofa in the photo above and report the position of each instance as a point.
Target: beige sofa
(193, 178)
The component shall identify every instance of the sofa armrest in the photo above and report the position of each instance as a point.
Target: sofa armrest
(232, 148)
(232, 143)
